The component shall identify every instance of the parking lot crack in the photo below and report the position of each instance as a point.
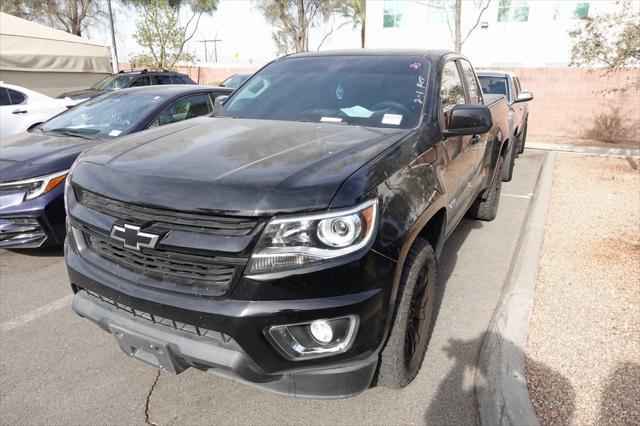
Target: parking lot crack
(147, 416)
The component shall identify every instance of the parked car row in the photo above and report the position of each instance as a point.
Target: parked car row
(290, 240)
(34, 164)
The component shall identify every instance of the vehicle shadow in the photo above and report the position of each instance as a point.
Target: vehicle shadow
(619, 401)
(550, 391)
(55, 251)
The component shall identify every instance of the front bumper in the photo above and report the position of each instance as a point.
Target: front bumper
(34, 223)
(240, 349)
(217, 353)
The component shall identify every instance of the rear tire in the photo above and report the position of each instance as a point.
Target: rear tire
(486, 209)
(402, 356)
(523, 138)
(507, 170)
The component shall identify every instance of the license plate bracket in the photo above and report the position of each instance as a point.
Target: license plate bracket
(148, 349)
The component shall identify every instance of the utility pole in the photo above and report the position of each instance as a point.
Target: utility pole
(113, 36)
(215, 42)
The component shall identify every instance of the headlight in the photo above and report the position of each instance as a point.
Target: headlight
(35, 187)
(288, 243)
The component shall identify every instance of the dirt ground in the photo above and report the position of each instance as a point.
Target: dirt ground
(583, 352)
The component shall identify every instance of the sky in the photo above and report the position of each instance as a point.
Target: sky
(245, 33)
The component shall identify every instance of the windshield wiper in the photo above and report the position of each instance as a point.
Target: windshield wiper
(79, 133)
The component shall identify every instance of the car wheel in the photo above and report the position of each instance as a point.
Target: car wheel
(523, 138)
(486, 209)
(507, 170)
(402, 356)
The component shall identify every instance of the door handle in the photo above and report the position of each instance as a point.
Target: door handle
(474, 140)
(20, 111)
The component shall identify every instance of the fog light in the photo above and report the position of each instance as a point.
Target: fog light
(321, 331)
(314, 339)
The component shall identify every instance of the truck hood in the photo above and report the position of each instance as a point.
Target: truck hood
(233, 166)
(28, 155)
(82, 94)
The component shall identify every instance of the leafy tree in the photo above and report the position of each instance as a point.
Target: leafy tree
(356, 10)
(292, 20)
(160, 32)
(611, 40)
(72, 16)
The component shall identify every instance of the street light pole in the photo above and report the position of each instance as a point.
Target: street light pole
(113, 36)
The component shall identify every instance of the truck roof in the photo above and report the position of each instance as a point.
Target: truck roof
(428, 53)
(494, 73)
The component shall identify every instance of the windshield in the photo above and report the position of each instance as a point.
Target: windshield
(234, 81)
(376, 91)
(113, 82)
(107, 116)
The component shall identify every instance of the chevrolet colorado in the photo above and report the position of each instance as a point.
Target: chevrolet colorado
(290, 241)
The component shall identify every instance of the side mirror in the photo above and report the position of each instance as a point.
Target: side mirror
(219, 101)
(524, 97)
(469, 120)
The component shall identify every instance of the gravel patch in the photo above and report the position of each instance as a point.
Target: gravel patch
(583, 352)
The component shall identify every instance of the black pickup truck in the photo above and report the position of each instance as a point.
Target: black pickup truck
(291, 241)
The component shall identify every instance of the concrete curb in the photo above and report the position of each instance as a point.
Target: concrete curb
(589, 150)
(500, 382)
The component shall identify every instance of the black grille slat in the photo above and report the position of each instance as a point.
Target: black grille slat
(205, 276)
(167, 219)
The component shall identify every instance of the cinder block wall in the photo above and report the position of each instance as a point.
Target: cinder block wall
(566, 103)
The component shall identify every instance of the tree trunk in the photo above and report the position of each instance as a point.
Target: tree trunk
(302, 44)
(362, 33)
(458, 36)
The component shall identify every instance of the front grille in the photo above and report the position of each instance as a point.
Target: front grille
(172, 271)
(167, 219)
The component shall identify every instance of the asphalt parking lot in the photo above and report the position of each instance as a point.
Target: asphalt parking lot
(56, 368)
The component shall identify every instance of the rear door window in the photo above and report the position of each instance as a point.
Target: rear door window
(141, 81)
(162, 79)
(16, 97)
(4, 97)
(184, 109)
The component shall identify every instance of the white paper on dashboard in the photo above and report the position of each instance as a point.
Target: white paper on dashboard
(393, 119)
(331, 119)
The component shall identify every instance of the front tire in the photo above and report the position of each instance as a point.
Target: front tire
(402, 356)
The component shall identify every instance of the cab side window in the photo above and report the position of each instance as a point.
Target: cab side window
(184, 109)
(475, 94)
(141, 81)
(451, 90)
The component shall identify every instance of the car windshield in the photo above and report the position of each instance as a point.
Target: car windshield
(113, 82)
(493, 85)
(375, 91)
(234, 81)
(107, 116)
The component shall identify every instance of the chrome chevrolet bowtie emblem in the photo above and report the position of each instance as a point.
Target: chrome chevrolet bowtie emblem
(132, 238)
